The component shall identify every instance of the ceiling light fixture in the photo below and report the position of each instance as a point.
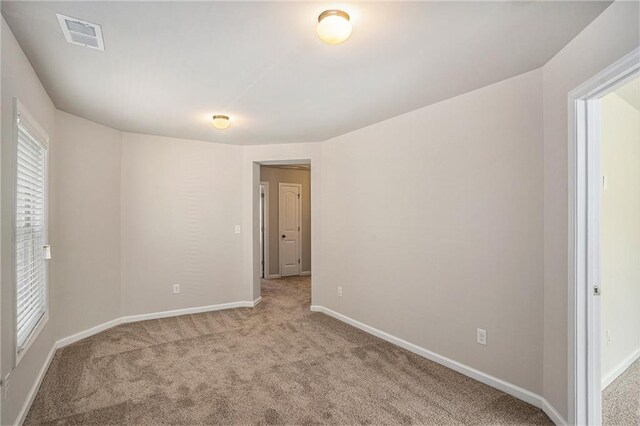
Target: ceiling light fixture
(221, 122)
(334, 26)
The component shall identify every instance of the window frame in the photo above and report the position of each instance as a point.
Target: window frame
(22, 115)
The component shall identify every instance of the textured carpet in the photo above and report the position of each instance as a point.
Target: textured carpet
(277, 363)
(621, 399)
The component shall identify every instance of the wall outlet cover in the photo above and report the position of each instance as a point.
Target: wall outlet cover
(481, 337)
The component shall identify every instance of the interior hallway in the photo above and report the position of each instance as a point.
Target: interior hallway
(276, 363)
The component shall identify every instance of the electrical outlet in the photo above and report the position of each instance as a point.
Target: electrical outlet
(237, 229)
(608, 337)
(176, 288)
(481, 337)
(339, 291)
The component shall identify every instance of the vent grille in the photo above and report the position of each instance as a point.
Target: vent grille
(83, 33)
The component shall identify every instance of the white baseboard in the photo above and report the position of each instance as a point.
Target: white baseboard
(305, 273)
(36, 386)
(612, 376)
(65, 341)
(155, 315)
(506, 387)
(273, 276)
(553, 414)
(186, 311)
(499, 384)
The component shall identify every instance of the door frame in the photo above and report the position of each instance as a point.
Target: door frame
(265, 234)
(584, 186)
(299, 185)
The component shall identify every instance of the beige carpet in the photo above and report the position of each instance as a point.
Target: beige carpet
(621, 399)
(277, 363)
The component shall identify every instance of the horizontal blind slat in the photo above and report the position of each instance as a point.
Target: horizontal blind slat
(26, 327)
(29, 142)
(28, 168)
(29, 309)
(29, 299)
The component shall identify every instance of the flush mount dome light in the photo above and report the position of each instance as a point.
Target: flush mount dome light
(221, 122)
(334, 26)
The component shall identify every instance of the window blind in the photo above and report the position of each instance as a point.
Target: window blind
(30, 228)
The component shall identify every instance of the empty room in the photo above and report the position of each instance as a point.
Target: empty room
(345, 213)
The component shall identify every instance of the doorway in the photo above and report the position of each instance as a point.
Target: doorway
(620, 254)
(595, 245)
(286, 244)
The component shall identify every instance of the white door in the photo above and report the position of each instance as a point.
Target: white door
(289, 217)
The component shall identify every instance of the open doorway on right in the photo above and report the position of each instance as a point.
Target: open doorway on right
(620, 254)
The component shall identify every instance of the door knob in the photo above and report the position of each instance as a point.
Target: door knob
(283, 236)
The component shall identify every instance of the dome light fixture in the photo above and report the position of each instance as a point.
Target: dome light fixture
(221, 122)
(334, 26)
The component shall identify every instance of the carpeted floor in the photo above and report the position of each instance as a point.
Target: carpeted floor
(621, 399)
(277, 363)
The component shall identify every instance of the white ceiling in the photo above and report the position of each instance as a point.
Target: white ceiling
(168, 66)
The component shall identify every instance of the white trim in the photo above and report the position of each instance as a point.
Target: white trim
(22, 117)
(584, 185)
(267, 225)
(621, 368)
(551, 411)
(187, 311)
(274, 277)
(36, 386)
(511, 389)
(33, 337)
(305, 273)
(65, 341)
(299, 185)
(30, 123)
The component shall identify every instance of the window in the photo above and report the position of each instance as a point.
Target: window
(30, 209)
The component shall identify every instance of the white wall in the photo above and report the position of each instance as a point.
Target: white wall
(432, 224)
(609, 37)
(620, 234)
(180, 202)
(86, 163)
(19, 80)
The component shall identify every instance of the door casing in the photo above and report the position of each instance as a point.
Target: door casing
(584, 387)
(265, 237)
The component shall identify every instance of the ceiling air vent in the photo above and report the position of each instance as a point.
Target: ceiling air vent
(81, 32)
